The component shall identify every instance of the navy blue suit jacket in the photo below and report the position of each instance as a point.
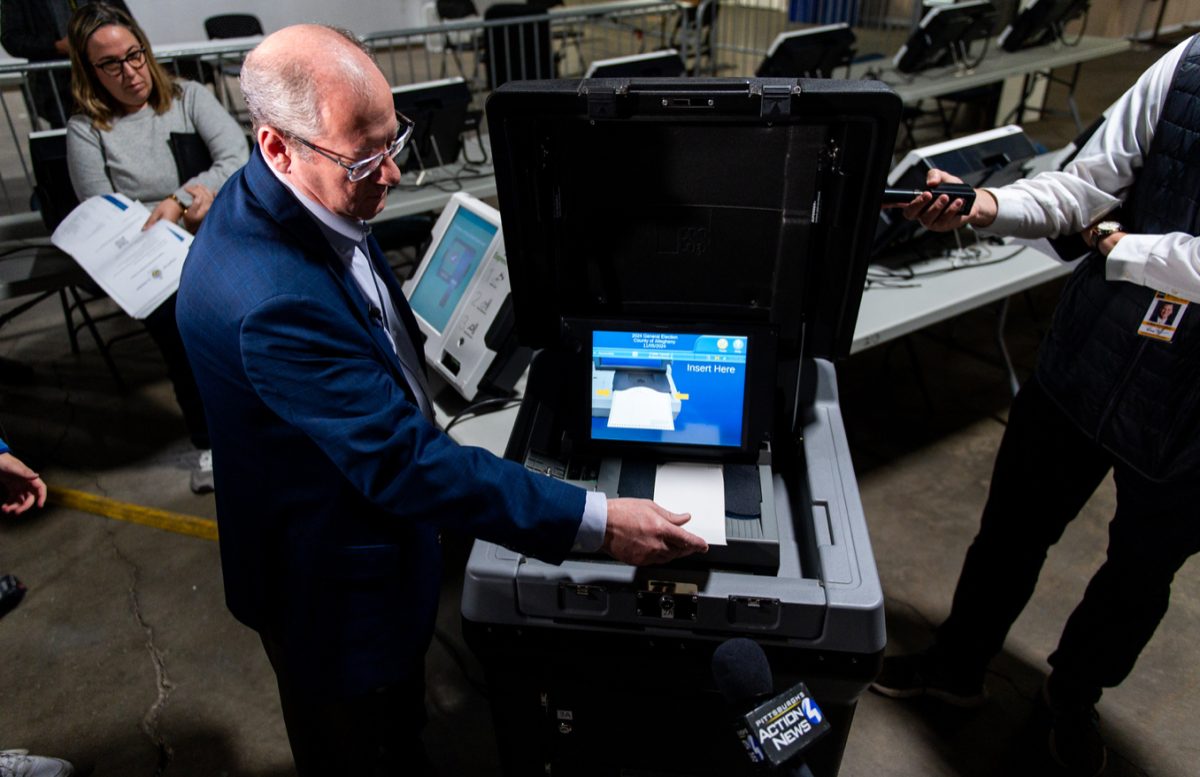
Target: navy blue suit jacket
(331, 485)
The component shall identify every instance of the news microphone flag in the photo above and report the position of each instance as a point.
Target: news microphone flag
(782, 727)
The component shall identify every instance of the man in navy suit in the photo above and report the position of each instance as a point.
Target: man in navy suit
(333, 480)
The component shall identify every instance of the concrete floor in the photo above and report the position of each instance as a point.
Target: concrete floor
(123, 657)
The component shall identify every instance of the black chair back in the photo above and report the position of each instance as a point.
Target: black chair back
(449, 10)
(52, 179)
(232, 25)
(813, 53)
(517, 51)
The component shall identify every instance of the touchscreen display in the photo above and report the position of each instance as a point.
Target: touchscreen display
(451, 266)
(678, 389)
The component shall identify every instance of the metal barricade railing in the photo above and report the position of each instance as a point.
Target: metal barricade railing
(217, 64)
(714, 37)
(557, 43)
(743, 30)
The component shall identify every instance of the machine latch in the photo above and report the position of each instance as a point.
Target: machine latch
(667, 606)
(776, 101)
(668, 601)
(754, 611)
(601, 103)
(579, 598)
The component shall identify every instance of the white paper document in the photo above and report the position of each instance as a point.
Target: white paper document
(641, 407)
(139, 270)
(698, 489)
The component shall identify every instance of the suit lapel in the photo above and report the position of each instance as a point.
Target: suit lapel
(295, 221)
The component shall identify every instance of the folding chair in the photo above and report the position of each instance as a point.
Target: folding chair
(52, 271)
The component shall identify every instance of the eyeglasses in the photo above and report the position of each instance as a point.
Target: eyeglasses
(114, 67)
(356, 171)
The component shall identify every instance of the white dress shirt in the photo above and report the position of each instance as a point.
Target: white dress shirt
(1098, 180)
(348, 238)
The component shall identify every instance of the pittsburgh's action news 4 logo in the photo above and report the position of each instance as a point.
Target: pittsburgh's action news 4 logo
(782, 727)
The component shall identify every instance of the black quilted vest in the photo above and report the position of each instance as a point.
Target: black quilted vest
(1136, 396)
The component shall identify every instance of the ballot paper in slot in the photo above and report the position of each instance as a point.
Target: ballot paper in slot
(698, 489)
(138, 269)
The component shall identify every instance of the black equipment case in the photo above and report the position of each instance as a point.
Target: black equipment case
(738, 204)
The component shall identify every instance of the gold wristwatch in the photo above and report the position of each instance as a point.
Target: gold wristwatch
(1106, 229)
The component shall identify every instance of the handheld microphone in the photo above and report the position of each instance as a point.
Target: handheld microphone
(774, 730)
(955, 191)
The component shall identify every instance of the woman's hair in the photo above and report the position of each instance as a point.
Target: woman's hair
(93, 99)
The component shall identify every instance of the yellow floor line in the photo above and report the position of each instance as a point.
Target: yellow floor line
(179, 523)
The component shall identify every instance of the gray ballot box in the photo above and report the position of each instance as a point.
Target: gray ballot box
(687, 257)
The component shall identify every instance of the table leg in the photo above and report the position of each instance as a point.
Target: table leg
(1001, 319)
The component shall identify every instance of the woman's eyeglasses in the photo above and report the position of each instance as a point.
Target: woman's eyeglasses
(115, 66)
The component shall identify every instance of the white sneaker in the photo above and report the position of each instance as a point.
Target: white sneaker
(202, 476)
(18, 763)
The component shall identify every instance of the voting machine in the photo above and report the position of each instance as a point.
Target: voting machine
(687, 259)
(459, 294)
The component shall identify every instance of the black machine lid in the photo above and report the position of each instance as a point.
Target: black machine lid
(692, 200)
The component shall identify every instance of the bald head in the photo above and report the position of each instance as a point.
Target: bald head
(284, 78)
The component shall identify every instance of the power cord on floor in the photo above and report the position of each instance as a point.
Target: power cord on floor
(482, 148)
(962, 258)
(452, 184)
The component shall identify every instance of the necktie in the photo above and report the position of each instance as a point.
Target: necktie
(406, 351)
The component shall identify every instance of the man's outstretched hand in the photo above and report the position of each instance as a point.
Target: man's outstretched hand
(941, 213)
(640, 532)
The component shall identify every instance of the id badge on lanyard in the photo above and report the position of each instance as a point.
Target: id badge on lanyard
(1162, 318)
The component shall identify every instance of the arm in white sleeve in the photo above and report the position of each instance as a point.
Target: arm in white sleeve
(1169, 263)
(590, 535)
(1098, 180)
(1100, 177)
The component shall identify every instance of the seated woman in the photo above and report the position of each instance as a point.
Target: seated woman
(167, 143)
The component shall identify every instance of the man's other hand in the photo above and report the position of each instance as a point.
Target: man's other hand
(20, 487)
(640, 532)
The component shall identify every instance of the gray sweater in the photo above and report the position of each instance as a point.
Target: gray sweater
(133, 157)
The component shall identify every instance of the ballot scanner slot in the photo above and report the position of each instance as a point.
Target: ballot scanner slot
(751, 530)
(709, 389)
(751, 520)
(782, 592)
